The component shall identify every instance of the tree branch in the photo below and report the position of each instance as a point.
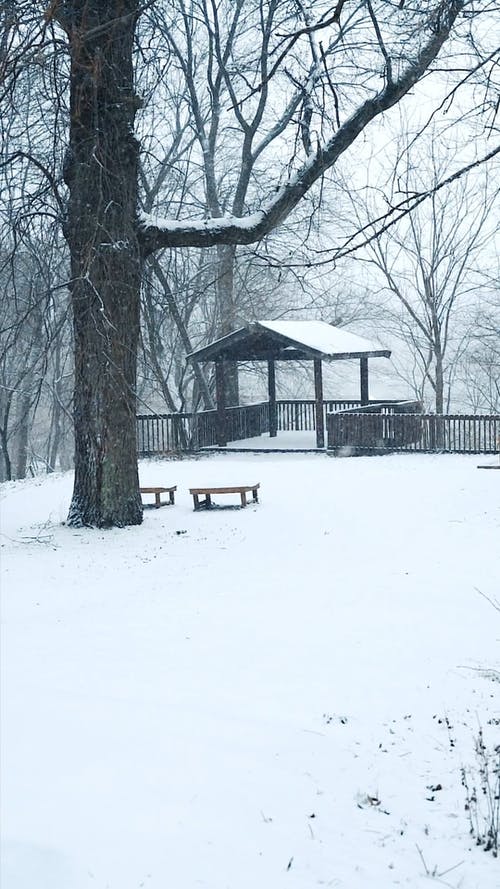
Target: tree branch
(155, 234)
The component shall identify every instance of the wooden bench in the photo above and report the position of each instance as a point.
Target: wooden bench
(158, 492)
(206, 503)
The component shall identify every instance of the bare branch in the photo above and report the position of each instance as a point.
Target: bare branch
(205, 233)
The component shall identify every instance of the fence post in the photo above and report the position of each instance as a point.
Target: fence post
(320, 417)
(271, 388)
(220, 390)
(363, 373)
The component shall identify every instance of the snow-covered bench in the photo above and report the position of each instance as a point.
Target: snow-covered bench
(158, 492)
(206, 493)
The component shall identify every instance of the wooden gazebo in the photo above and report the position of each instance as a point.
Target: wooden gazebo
(274, 341)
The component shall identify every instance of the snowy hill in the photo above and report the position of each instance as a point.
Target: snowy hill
(282, 696)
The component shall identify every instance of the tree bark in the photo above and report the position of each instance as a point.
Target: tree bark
(439, 393)
(22, 437)
(226, 258)
(101, 172)
(6, 469)
(6, 473)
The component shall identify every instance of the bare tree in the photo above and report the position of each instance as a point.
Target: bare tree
(429, 263)
(35, 349)
(223, 57)
(389, 51)
(479, 371)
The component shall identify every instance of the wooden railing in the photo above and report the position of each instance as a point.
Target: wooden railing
(247, 421)
(164, 433)
(425, 433)
(378, 426)
(294, 415)
(244, 421)
(173, 433)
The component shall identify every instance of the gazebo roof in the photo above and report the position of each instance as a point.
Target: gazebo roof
(289, 341)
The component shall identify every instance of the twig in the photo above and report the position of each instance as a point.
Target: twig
(494, 602)
(427, 871)
(449, 869)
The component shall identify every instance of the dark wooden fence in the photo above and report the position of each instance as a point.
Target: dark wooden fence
(245, 421)
(377, 427)
(295, 415)
(173, 433)
(164, 433)
(425, 433)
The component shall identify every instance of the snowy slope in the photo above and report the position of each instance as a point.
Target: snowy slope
(252, 699)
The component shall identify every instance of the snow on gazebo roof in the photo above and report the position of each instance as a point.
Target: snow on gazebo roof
(289, 340)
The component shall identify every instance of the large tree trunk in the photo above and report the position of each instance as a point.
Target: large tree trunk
(101, 172)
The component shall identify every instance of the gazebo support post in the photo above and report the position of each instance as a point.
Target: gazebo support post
(220, 396)
(363, 375)
(271, 388)
(318, 391)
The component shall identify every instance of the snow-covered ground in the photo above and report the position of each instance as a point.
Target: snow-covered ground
(281, 696)
(287, 441)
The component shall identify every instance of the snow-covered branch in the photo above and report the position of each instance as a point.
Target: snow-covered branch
(157, 233)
